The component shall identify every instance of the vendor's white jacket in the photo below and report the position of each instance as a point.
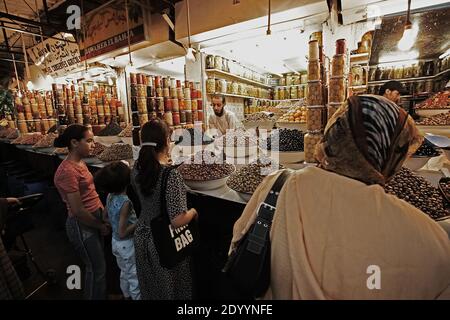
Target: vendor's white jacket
(227, 121)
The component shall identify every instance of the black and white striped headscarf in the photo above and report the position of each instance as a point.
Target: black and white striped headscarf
(380, 117)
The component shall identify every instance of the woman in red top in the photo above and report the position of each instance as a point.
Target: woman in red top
(84, 223)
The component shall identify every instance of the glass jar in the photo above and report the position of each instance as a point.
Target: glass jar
(338, 66)
(315, 118)
(300, 92)
(314, 93)
(211, 85)
(336, 91)
(304, 78)
(313, 70)
(218, 62)
(311, 140)
(210, 64)
(357, 76)
(234, 87)
(294, 93)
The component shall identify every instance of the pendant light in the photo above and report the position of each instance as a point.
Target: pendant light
(189, 51)
(409, 33)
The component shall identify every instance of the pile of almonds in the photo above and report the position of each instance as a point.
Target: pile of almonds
(28, 139)
(117, 151)
(248, 178)
(98, 149)
(46, 141)
(205, 166)
(238, 138)
(127, 132)
(441, 119)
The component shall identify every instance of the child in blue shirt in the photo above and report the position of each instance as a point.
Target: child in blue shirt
(114, 179)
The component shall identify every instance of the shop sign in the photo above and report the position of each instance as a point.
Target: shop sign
(56, 57)
(106, 28)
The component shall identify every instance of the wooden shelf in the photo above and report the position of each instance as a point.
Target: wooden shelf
(359, 55)
(293, 85)
(239, 78)
(237, 96)
(411, 79)
(402, 80)
(359, 87)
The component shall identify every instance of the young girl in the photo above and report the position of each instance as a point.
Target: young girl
(84, 225)
(155, 281)
(114, 179)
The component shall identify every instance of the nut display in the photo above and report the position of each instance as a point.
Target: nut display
(98, 149)
(117, 151)
(286, 140)
(418, 192)
(249, 177)
(238, 138)
(258, 116)
(441, 119)
(193, 137)
(46, 141)
(311, 140)
(296, 115)
(112, 129)
(8, 133)
(444, 186)
(426, 150)
(28, 139)
(316, 118)
(440, 100)
(127, 132)
(205, 166)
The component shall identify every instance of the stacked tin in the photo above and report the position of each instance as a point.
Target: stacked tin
(34, 111)
(338, 80)
(316, 114)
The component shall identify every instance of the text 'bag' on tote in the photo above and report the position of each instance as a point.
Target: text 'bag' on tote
(173, 245)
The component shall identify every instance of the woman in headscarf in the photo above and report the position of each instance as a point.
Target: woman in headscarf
(336, 234)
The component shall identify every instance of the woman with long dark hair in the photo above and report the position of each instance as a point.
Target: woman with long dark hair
(157, 282)
(84, 223)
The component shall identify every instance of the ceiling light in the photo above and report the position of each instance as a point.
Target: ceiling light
(30, 85)
(409, 33)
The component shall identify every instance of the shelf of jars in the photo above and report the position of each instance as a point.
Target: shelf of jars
(34, 111)
(178, 103)
(89, 104)
(237, 96)
(238, 78)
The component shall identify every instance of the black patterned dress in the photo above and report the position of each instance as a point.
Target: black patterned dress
(155, 281)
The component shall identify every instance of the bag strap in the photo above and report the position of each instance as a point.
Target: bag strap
(164, 179)
(259, 234)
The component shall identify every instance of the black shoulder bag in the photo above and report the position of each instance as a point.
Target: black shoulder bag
(173, 245)
(248, 266)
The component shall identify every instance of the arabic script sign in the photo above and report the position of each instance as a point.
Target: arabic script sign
(56, 57)
(106, 28)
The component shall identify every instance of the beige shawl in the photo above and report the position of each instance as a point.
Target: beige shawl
(329, 229)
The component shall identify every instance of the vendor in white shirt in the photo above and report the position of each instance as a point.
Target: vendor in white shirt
(222, 119)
